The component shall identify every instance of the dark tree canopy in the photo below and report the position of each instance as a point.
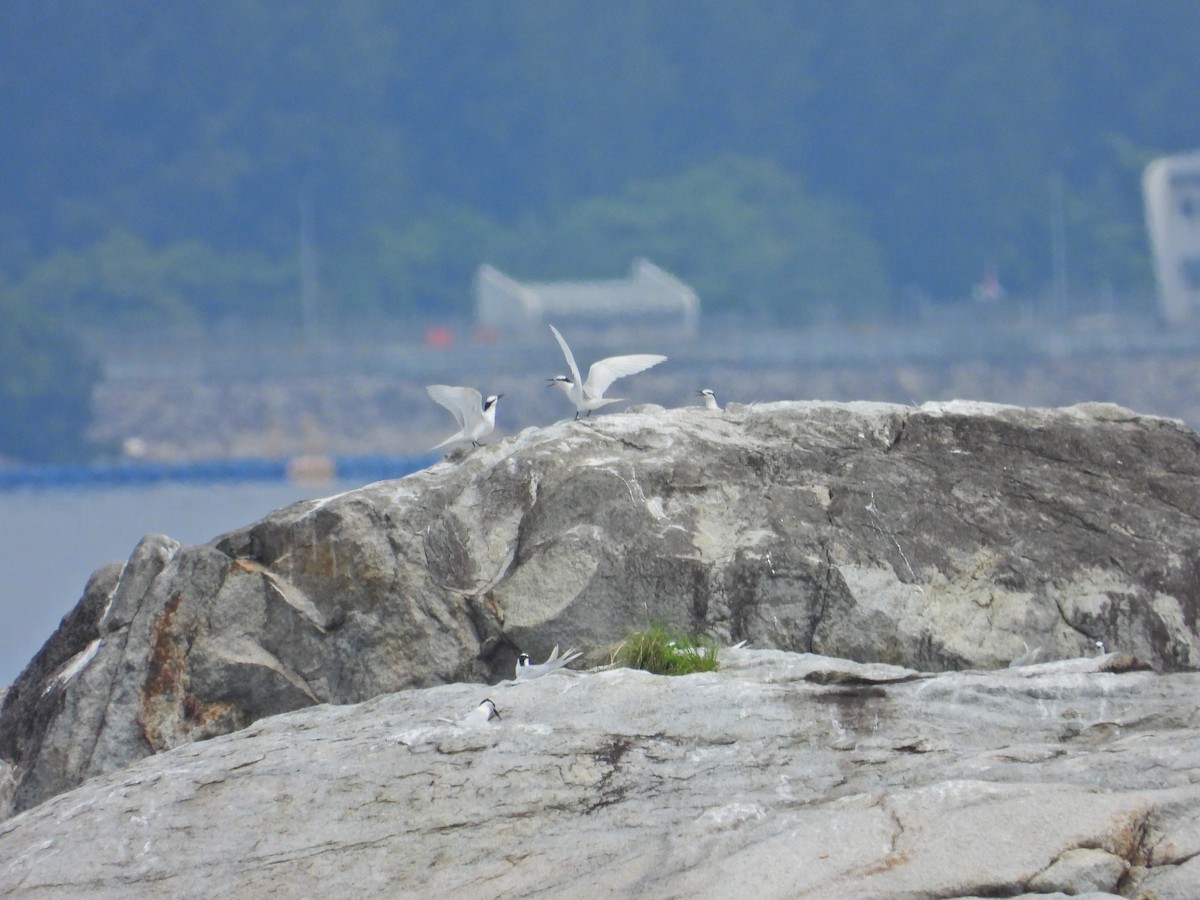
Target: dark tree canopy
(45, 387)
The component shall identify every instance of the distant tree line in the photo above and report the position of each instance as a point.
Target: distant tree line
(788, 159)
(46, 386)
(158, 150)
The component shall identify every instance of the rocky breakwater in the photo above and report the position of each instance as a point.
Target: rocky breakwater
(941, 537)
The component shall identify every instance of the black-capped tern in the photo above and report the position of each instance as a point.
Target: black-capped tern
(527, 669)
(476, 417)
(710, 399)
(484, 713)
(589, 395)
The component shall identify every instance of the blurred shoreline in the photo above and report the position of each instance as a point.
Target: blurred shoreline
(258, 394)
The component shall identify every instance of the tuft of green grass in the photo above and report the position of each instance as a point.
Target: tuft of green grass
(664, 651)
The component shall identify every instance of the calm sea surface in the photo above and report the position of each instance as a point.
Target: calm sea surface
(53, 540)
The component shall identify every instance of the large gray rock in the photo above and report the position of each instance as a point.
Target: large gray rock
(941, 537)
(782, 775)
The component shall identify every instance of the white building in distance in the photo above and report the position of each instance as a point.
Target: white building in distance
(649, 296)
(1171, 187)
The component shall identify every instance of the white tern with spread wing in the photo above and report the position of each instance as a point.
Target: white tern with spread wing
(476, 417)
(589, 395)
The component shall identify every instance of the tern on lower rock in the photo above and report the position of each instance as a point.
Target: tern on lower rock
(476, 417)
(483, 714)
(589, 395)
(710, 399)
(527, 669)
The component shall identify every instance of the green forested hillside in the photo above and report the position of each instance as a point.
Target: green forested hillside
(784, 157)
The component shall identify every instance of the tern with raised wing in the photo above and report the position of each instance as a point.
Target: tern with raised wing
(476, 417)
(589, 395)
(527, 669)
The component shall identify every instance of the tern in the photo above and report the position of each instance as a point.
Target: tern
(1028, 658)
(527, 669)
(589, 395)
(482, 714)
(476, 417)
(710, 399)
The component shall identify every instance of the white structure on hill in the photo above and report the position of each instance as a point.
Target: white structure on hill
(1171, 187)
(649, 295)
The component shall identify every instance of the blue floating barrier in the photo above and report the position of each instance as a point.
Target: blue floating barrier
(121, 473)
(379, 467)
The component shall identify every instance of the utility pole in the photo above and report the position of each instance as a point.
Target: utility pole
(1060, 291)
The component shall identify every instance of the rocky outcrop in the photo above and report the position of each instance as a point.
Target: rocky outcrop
(782, 775)
(938, 538)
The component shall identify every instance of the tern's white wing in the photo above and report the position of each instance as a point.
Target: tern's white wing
(568, 354)
(605, 371)
(466, 403)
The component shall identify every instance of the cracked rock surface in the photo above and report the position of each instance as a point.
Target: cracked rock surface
(782, 775)
(942, 537)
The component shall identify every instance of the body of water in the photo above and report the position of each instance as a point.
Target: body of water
(55, 539)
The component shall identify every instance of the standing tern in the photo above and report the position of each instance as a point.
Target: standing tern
(710, 399)
(527, 669)
(589, 395)
(476, 417)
